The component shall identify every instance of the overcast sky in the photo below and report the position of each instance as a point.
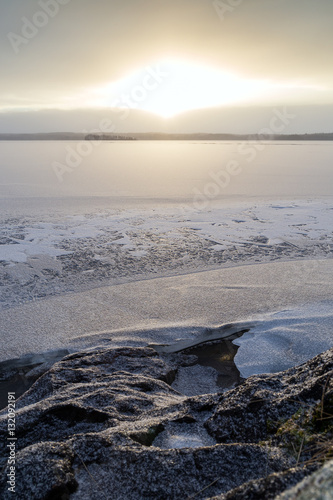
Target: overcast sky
(86, 53)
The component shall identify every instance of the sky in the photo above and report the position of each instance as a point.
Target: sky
(64, 59)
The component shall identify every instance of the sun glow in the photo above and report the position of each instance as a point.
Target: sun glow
(172, 87)
(189, 86)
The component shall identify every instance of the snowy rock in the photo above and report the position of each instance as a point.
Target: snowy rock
(319, 485)
(248, 413)
(106, 423)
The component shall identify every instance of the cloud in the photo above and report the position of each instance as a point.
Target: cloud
(237, 120)
(93, 43)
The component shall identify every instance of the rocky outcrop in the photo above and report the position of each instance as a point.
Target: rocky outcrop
(108, 423)
(262, 404)
(319, 485)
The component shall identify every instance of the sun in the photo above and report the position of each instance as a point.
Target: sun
(172, 86)
(192, 86)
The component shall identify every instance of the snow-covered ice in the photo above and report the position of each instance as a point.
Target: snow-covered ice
(40, 259)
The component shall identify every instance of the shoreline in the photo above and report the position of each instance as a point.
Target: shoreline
(183, 305)
(165, 136)
(133, 277)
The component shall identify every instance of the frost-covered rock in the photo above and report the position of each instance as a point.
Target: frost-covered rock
(252, 411)
(98, 423)
(318, 486)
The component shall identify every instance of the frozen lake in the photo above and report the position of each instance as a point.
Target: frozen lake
(172, 170)
(104, 242)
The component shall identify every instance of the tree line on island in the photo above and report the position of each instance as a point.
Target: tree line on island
(103, 137)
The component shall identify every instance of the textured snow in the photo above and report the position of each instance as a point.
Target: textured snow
(301, 225)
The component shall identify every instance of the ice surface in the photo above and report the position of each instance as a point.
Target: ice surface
(162, 310)
(285, 339)
(205, 380)
(183, 436)
(129, 249)
(168, 169)
(73, 253)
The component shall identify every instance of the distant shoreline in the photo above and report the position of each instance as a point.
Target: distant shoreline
(156, 136)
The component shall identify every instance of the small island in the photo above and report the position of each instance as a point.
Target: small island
(103, 137)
